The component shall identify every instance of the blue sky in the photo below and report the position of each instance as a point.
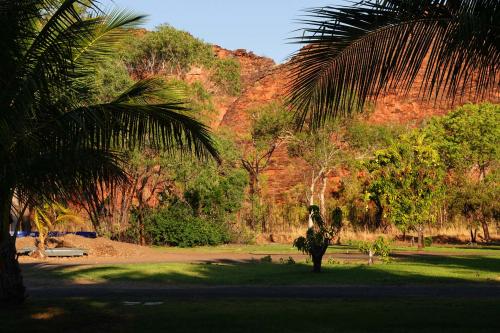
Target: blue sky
(261, 26)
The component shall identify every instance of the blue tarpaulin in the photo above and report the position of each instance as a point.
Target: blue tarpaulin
(86, 234)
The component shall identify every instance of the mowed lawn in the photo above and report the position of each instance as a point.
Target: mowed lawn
(155, 312)
(414, 269)
(250, 315)
(345, 249)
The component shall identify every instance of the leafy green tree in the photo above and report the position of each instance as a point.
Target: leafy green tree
(56, 144)
(374, 46)
(165, 50)
(477, 202)
(379, 247)
(406, 180)
(468, 140)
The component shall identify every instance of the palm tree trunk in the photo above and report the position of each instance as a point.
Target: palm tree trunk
(12, 289)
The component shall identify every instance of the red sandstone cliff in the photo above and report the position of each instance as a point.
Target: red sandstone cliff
(264, 82)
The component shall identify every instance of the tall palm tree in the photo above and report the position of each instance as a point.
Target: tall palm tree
(355, 53)
(53, 142)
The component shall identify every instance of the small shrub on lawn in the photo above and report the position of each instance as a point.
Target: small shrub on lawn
(289, 261)
(380, 247)
(332, 261)
(176, 226)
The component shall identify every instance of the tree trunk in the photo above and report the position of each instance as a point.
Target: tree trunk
(140, 222)
(473, 236)
(324, 182)
(421, 244)
(12, 289)
(317, 259)
(317, 256)
(310, 222)
(486, 231)
(370, 257)
(40, 246)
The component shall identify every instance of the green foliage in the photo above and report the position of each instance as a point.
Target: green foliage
(198, 98)
(166, 50)
(476, 201)
(468, 140)
(111, 79)
(363, 137)
(214, 191)
(226, 75)
(269, 123)
(406, 180)
(380, 247)
(288, 261)
(467, 137)
(175, 225)
(428, 241)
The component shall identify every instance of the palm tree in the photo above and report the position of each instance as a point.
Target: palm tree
(46, 217)
(355, 53)
(54, 144)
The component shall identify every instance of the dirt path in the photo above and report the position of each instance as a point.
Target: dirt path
(362, 291)
(162, 257)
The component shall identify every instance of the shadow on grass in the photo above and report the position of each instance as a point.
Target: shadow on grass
(415, 269)
(111, 315)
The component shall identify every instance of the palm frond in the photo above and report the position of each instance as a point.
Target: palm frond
(353, 54)
(150, 91)
(121, 125)
(56, 174)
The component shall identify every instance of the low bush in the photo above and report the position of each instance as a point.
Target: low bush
(177, 226)
(226, 75)
(380, 247)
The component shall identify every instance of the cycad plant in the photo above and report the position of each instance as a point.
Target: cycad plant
(54, 143)
(319, 236)
(354, 53)
(46, 217)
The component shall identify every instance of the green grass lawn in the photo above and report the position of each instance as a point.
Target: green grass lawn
(415, 269)
(289, 249)
(392, 315)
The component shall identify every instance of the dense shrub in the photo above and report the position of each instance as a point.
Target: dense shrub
(169, 51)
(175, 225)
(226, 75)
(111, 79)
(166, 50)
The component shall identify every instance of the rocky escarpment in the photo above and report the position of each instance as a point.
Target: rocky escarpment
(265, 82)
